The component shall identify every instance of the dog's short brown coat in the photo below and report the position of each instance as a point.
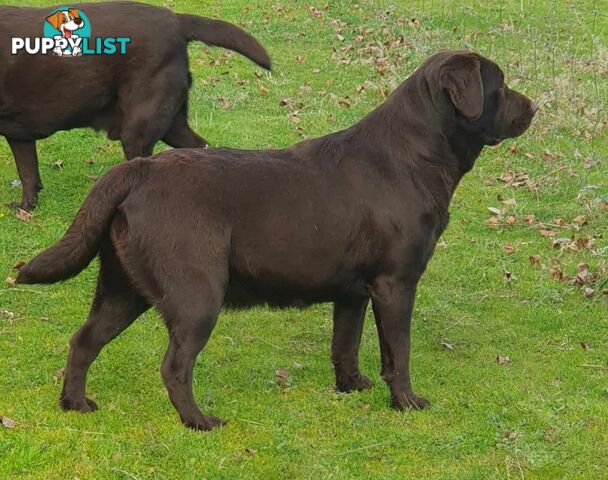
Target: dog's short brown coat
(138, 98)
(345, 218)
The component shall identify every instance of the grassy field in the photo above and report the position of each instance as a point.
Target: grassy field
(506, 282)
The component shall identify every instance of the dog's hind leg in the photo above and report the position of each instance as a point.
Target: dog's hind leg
(349, 317)
(190, 313)
(26, 159)
(115, 307)
(149, 105)
(180, 135)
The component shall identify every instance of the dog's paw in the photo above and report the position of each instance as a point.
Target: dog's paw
(27, 207)
(354, 383)
(410, 402)
(205, 423)
(84, 405)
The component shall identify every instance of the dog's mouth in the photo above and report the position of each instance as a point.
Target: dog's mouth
(67, 33)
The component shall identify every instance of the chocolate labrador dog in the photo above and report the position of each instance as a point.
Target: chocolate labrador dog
(138, 96)
(345, 218)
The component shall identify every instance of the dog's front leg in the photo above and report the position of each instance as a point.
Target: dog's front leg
(393, 303)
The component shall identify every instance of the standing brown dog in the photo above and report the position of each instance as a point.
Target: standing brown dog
(343, 218)
(138, 98)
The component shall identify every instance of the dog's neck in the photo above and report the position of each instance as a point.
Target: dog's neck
(412, 120)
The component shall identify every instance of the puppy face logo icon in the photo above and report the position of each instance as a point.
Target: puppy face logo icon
(67, 26)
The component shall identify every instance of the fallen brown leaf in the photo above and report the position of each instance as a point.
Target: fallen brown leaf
(534, 259)
(585, 242)
(23, 215)
(492, 222)
(580, 220)
(583, 273)
(546, 233)
(8, 422)
(588, 292)
(556, 273)
(511, 220)
(501, 360)
(10, 281)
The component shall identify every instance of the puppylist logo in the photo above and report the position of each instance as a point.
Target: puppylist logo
(67, 32)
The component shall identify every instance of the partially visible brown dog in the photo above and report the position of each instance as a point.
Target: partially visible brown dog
(139, 98)
(343, 218)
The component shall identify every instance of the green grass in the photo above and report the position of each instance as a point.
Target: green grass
(543, 415)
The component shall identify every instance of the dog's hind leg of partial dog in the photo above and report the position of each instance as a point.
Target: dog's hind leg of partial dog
(161, 94)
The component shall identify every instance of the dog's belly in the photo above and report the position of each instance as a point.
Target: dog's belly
(243, 292)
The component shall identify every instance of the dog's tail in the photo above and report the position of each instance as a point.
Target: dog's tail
(226, 35)
(79, 245)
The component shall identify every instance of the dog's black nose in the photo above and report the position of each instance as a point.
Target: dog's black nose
(78, 21)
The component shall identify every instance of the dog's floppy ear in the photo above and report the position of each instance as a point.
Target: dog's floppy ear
(460, 76)
(74, 11)
(55, 19)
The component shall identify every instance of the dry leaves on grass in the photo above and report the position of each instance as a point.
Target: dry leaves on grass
(446, 344)
(584, 278)
(6, 314)
(282, 375)
(502, 360)
(23, 215)
(7, 422)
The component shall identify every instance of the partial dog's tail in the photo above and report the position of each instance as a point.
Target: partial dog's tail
(70, 255)
(226, 35)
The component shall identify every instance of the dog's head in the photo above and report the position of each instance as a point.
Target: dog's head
(66, 21)
(473, 90)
